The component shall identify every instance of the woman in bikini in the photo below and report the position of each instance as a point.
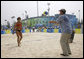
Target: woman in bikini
(18, 29)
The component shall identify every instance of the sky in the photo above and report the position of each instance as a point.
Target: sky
(17, 9)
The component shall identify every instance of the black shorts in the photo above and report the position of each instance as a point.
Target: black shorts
(18, 30)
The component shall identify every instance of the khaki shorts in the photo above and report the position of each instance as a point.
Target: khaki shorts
(66, 37)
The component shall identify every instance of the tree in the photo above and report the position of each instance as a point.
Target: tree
(8, 24)
(13, 24)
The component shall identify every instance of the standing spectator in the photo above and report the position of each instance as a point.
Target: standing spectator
(82, 28)
(33, 29)
(72, 36)
(73, 33)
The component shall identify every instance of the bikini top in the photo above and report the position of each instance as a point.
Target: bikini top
(18, 24)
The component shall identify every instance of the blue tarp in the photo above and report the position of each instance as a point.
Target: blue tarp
(59, 31)
(2, 32)
(23, 31)
(50, 30)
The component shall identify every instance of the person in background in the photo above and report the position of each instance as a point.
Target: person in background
(72, 36)
(73, 33)
(39, 29)
(82, 28)
(33, 29)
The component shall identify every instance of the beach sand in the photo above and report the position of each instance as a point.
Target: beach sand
(39, 45)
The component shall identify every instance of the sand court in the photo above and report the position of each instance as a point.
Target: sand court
(39, 45)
